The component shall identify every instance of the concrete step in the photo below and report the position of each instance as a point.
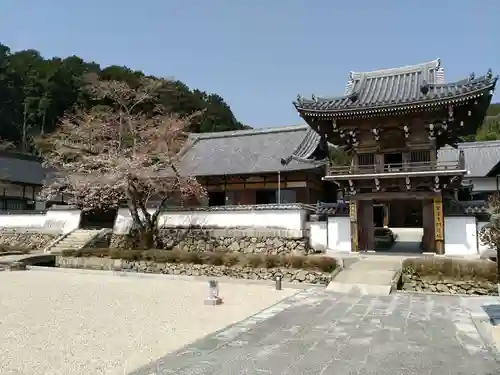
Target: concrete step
(367, 277)
(75, 240)
(68, 246)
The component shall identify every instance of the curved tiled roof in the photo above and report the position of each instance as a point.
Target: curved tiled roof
(480, 157)
(421, 84)
(251, 151)
(20, 168)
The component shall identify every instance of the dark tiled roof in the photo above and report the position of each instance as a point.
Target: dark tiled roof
(421, 84)
(332, 209)
(480, 157)
(251, 151)
(21, 168)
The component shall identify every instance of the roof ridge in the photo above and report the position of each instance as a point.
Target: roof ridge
(398, 70)
(248, 132)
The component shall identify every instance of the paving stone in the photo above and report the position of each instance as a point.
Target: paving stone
(319, 332)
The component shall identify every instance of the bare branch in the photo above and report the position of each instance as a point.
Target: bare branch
(102, 164)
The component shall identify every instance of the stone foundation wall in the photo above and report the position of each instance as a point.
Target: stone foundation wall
(237, 272)
(25, 239)
(426, 284)
(244, 241)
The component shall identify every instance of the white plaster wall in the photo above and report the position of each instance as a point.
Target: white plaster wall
(60, 221)
(460, 235)
(63, 220)
(290, 219)
(22, 221)
(481, 183)
(318, 235)
(484, 250)
(339, 233)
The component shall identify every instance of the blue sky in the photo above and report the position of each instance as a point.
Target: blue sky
(259, 54)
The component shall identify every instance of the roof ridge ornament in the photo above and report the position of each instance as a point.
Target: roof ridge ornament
(438, 64)
(354, 96)
(489, 74)
(424, 88)
(472, 77)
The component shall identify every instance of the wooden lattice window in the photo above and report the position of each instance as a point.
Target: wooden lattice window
(366, 159)
(421, 156)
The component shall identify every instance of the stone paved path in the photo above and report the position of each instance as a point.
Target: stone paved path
(320, 332)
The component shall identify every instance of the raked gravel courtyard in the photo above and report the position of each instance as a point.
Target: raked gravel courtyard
(54, 322)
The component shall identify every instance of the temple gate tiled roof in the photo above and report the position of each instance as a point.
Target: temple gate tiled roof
(415, 86)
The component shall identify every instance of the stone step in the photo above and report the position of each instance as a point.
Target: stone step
(72, 240)
(367, 277)
(76, 240)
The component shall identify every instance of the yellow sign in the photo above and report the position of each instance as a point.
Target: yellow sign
(438, 219)
(355, 244)
(353, 211)
(353, 214)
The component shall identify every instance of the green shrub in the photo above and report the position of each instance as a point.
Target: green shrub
(320, 263)
(13, 249)
(272, 261)
(213, 258)
(230, 259)
(452, 268)
(189, 257)
(131, 255)
(292, 261)
(216, 258)
(87, 252)
(252, 260)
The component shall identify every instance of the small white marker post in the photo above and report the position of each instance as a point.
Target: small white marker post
(213, 294)
(278, 282)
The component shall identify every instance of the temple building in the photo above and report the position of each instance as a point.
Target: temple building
(260, 166)
(21, 179)
(395, 122)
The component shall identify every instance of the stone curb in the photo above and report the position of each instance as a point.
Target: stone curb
(444, 294)
(484, 329)
(177, 277)
(394, 282)
(335, 272)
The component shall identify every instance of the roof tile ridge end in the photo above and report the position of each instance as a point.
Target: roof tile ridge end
(401, 69)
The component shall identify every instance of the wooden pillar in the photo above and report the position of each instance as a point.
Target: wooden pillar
(428, 240)
(353, 214)
(365, 228)
(439, 224)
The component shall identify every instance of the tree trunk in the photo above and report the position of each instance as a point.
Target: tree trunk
(146, 237)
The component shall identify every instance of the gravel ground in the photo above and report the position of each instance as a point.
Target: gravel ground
(69, 323)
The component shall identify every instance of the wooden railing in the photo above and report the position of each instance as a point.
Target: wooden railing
(395, 168)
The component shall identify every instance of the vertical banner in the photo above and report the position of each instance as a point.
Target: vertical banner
(353, 214)
(438, 219)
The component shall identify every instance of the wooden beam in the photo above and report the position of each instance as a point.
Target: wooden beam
(394, 195)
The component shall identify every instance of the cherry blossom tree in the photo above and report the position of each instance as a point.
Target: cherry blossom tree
(114, 154)
(490, 233)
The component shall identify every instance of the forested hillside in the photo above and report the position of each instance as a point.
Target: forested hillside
(35, 92)
(490, 130)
